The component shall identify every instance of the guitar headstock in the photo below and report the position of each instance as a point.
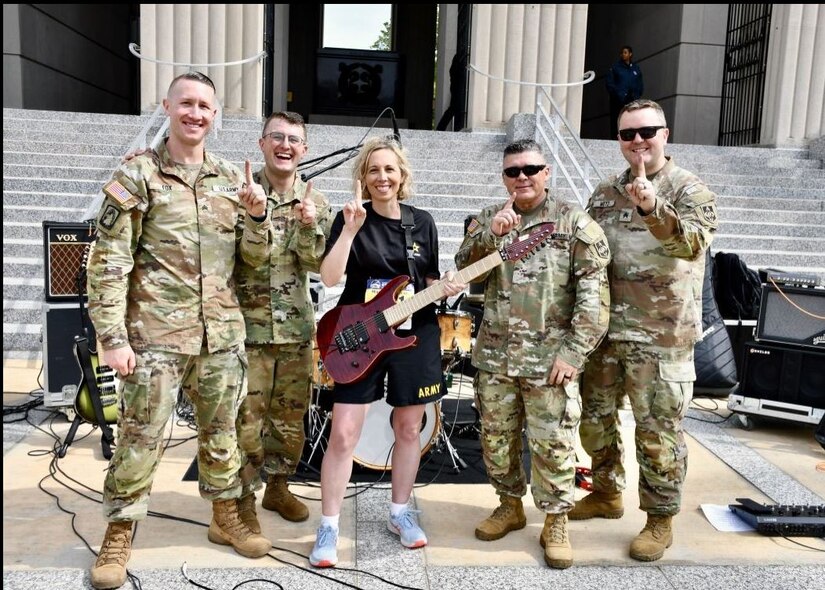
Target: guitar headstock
(527, 244)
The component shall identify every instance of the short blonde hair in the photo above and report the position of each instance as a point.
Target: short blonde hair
(373, 144)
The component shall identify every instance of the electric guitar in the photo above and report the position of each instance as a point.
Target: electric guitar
(351, 338)
(97, 381)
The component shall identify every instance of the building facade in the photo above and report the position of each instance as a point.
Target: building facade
(77, 57)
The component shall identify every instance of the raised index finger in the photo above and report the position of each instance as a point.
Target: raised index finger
(309, 189)
(358, 193)
(248, 169)
(510, 201)
(637, 166)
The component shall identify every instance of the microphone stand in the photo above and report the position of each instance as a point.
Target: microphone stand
(350, 151)
(306, 177)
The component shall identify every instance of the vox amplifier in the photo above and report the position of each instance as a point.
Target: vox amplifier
(66, 247)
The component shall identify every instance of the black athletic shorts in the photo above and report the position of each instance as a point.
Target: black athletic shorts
(413, 374)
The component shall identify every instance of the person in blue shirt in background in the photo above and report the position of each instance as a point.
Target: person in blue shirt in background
(624, 85)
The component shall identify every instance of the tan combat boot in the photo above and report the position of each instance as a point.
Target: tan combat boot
(650, 544)
(248, 514)
(109, 570)
(227, 528)
(558, 553)
(508, 516)
(598, 504)
(279, 499)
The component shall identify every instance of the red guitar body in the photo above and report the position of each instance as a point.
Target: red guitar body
(371, 338)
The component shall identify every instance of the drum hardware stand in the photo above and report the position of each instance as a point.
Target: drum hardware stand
(455, 358)
(454, 456)
(317, 432)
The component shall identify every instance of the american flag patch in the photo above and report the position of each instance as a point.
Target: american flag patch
(474, 224)
(116, 190)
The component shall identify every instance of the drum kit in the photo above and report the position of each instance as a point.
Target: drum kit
(374, 447)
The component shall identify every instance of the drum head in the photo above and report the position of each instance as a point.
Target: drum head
(374, 448)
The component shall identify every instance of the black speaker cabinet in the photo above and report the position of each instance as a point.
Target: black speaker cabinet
(792, 315)
(789, 374)
(66, 246)
(61, 323)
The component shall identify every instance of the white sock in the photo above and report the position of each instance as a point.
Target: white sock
(330, 521)
(396, 509)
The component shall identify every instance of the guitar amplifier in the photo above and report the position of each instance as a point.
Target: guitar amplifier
(66, 246)
(792, 315)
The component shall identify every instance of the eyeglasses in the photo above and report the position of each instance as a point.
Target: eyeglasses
(278, 137)
(644, 132)
(529, 170)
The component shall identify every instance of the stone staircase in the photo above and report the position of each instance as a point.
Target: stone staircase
(771, 201)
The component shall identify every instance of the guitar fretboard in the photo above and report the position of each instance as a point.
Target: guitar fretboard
(403, 309)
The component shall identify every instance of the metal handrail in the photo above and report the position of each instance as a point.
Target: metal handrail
(580, 182)
(589, 76)
(134, 48)
(558, 146)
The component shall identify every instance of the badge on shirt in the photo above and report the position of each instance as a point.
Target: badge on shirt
(474, 225)
(603, 203)
(374, 286)
(109, 216)
(602, 249)
(708, 212)
(626, 215)
(118, 192)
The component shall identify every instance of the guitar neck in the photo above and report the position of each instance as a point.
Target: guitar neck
(404, 309)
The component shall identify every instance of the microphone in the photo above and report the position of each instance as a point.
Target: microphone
(395, 133)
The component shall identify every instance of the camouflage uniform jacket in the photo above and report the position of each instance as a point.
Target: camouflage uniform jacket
(554, 302)
(658, 259)
(275, 297)
(160, 274)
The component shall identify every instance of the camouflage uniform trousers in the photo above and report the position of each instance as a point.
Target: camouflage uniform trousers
(271, 420)
(215, 383)
(654, 380)
(551, 414)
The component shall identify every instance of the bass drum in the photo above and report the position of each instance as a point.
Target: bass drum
(374, 448)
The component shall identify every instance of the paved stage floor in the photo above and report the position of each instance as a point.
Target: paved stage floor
(776, 462)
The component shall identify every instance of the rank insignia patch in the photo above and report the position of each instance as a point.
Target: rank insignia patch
(626, 215)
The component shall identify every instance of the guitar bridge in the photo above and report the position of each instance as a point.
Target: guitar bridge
(352, 337)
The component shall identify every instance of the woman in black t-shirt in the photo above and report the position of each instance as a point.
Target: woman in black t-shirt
(367, 242)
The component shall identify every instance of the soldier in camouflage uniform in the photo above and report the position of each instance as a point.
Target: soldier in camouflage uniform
(542, 318)
(167, 316)
(659, 220)
(280, 322)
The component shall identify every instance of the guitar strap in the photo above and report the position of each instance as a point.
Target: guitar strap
(408, 223)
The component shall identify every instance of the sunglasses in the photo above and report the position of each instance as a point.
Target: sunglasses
(529, 170)
(644, 132)
(278, 137)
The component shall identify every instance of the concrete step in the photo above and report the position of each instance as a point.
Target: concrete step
(771, 202)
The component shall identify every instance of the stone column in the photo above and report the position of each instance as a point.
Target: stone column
(201, 34)
(793, 112)
(533, 43)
